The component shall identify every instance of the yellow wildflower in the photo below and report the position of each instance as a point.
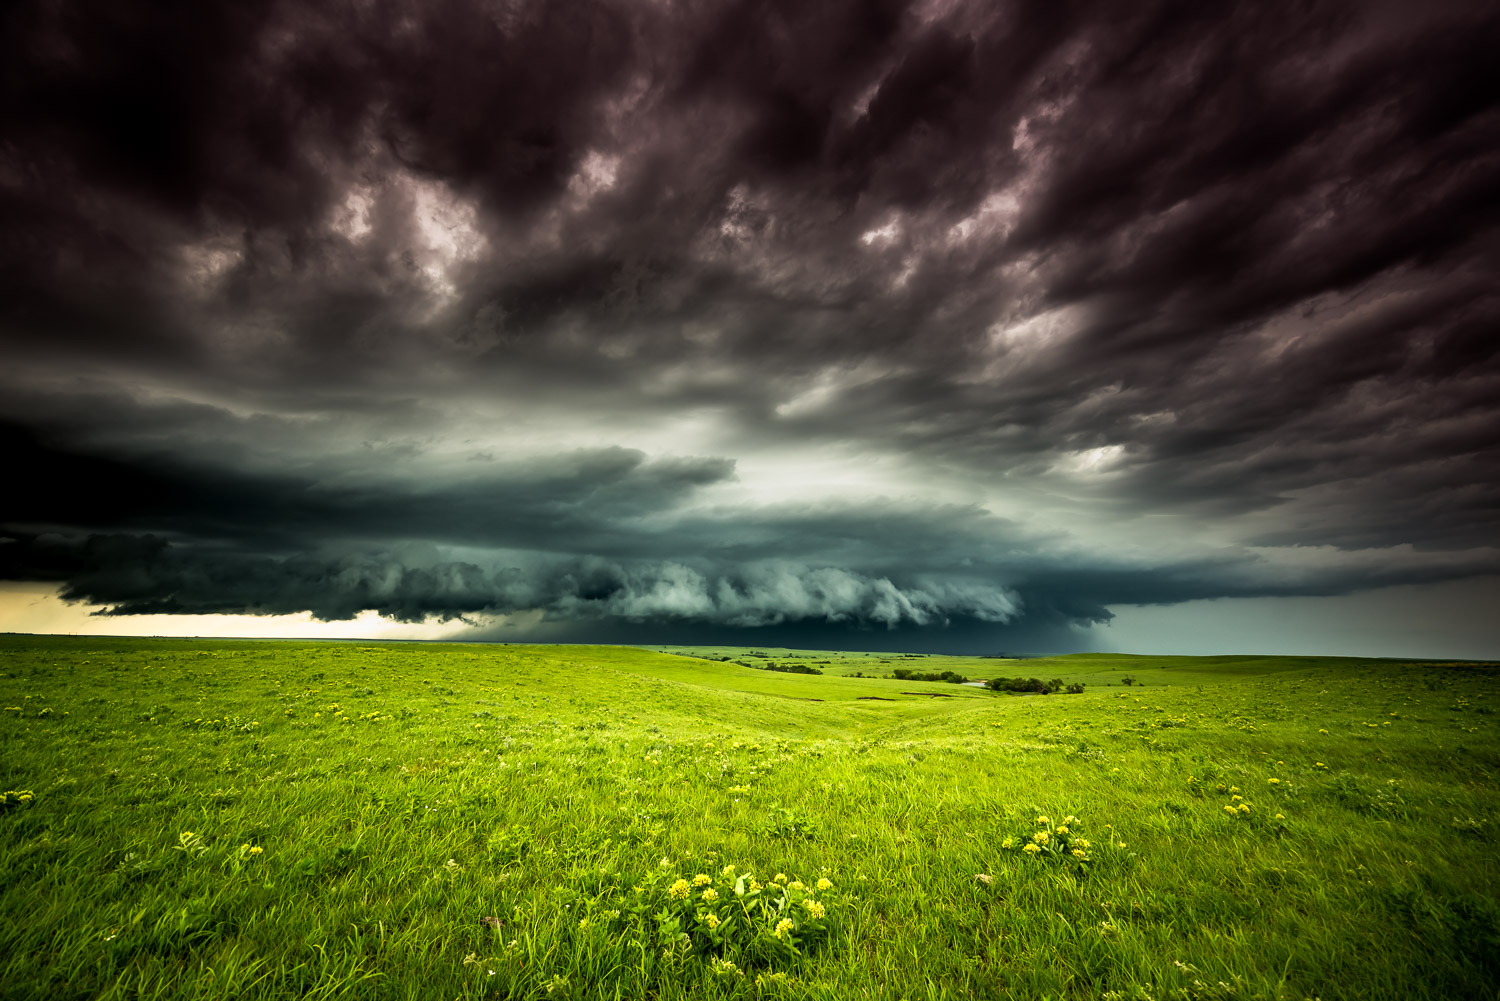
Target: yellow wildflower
(1063, 829)
(710, 894)
(1031, 849)
(780, 877)
(728, 870)
(679, 889)
(1043, 820)
(1244, 807)
(1274, 782)
(1040, 837)
(783, 926)
(712, 920)
(825, 883)
(1070, 819)
(798, 885)
(814, 908)
(1229, 810)
(702, 879)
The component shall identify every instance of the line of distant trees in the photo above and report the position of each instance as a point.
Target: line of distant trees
(906, 674)
(1035, 685)
(785, 668)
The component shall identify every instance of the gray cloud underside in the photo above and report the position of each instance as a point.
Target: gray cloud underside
(587, 536)
(255, 258)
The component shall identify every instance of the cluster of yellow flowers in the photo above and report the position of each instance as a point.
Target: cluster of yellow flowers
(1059, 839)
(16, 797)
(713, 908)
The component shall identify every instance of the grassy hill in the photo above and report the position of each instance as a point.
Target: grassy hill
(187, 818)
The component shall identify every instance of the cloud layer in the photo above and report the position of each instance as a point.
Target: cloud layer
(746, 314)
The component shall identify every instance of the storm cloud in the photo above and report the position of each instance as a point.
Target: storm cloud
(868, 316)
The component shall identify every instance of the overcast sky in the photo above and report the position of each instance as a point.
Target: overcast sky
(951, 326)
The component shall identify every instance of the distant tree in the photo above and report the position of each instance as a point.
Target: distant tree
(1020, 685)
(1127, 680)
(788, 668)
(907, 674)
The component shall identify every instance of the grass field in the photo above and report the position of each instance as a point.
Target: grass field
(214, 819)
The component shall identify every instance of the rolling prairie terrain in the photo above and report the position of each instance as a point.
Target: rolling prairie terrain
(207, 818)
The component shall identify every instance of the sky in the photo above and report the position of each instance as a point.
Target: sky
(963, 327)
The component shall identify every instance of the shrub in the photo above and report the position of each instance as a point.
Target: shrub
(1036, 685)
(906, 674)
(789, 668)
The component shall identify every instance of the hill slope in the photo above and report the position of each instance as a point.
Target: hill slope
(213, 818)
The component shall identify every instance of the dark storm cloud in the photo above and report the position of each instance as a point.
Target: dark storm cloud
(1228, 264)
(586, 538)
(587, 499)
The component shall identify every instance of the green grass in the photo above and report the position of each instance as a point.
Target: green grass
(266, 820)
